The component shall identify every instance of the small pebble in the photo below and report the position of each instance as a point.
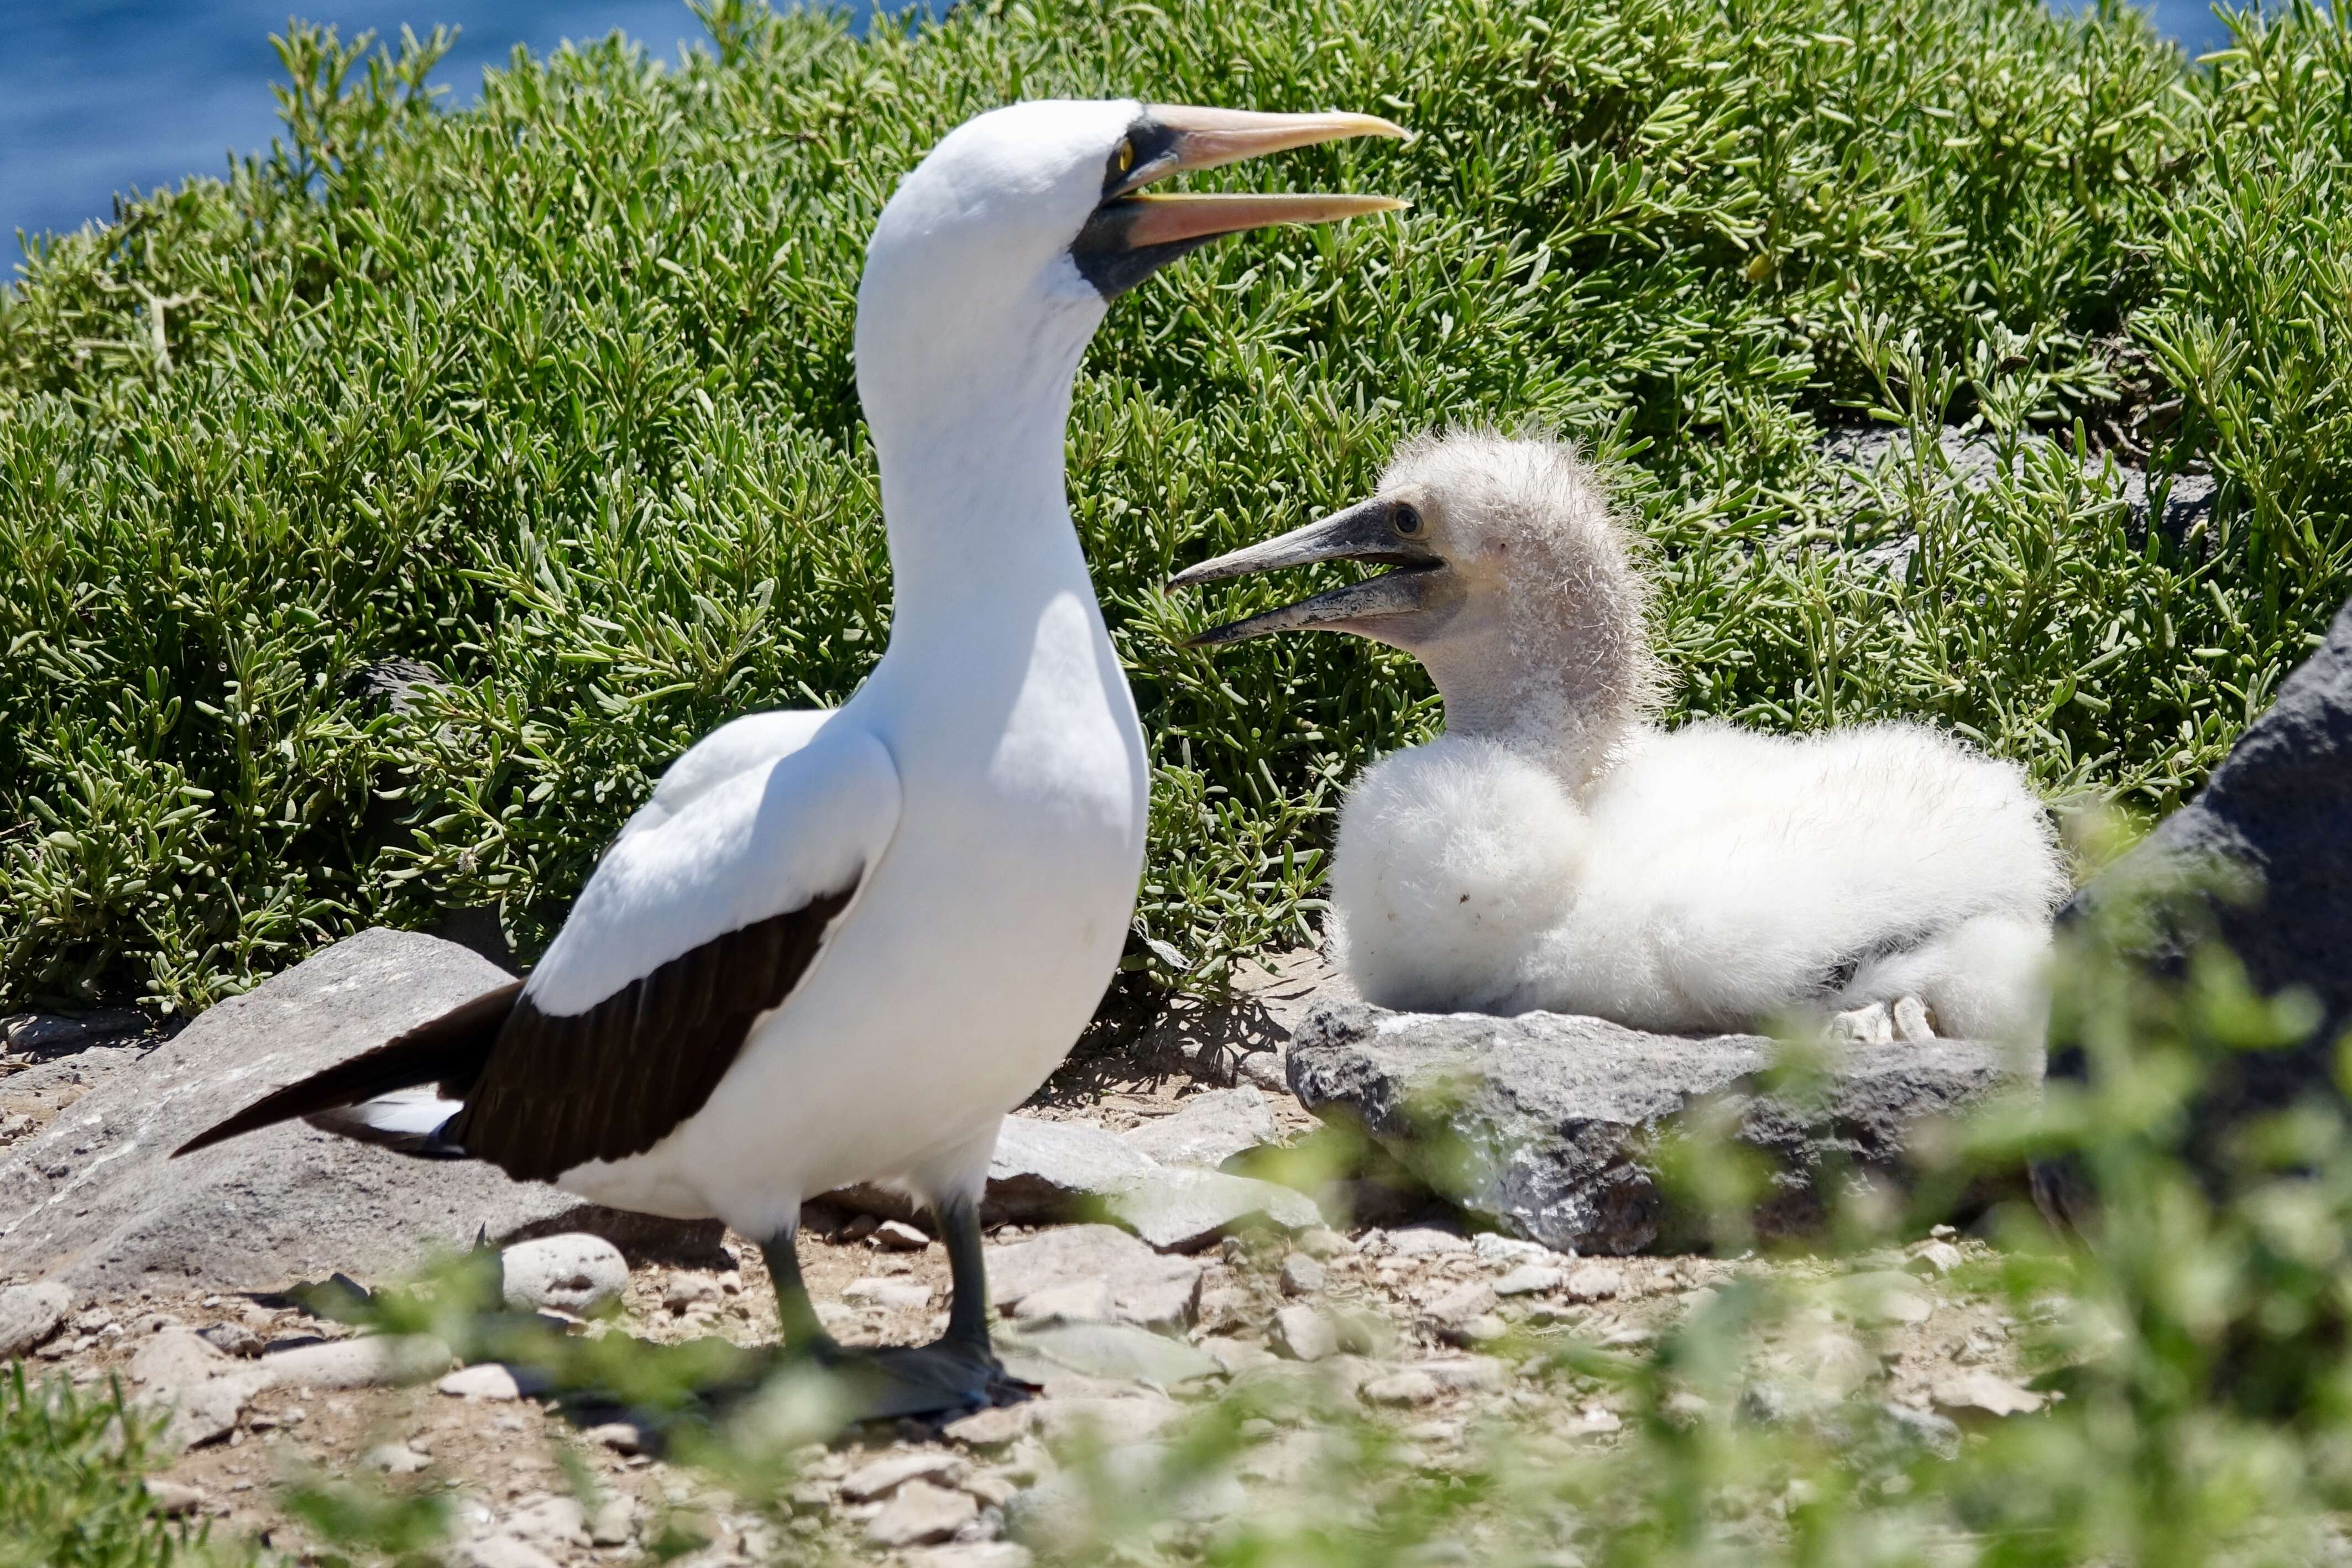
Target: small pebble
(1305, 1334)
(1399, 1389)
(897, 1235)
(394, 1459)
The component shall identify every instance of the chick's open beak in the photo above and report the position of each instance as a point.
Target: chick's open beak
(1370, 531)
(1134, 233)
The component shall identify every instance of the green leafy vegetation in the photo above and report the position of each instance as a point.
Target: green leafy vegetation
(554, 395)
(70, 1485)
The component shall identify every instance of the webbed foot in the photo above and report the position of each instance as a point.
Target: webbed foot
(944, 1379)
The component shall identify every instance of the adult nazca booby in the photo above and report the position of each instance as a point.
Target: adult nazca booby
(838, 946)
(1555, 849)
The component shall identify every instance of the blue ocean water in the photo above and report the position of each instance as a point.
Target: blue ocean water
(101, 96)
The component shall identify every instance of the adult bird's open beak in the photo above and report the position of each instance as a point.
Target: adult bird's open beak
(1134, 233)
(1377, 530)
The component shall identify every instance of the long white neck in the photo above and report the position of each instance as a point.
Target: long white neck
(1562, 677)
(978, 512)
(970, 435)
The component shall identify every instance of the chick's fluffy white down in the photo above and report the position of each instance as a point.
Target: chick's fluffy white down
(1709, 878)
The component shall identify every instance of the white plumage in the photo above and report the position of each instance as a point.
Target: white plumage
(837, 947)
(1555, 849)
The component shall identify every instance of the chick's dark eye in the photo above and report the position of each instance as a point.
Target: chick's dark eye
(1408, 522)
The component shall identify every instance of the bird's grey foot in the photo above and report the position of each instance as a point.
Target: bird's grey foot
(955, 1374)
(944, 1379)
(1911, 1020)
(1868, 1026)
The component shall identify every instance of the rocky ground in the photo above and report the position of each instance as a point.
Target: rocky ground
(1439, 1334)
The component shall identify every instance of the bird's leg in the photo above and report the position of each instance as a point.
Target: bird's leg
(959, 1371)
(955, 1373)
(797, 1317)
(967, 1275)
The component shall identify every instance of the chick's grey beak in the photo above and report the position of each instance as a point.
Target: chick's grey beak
(1367, 531)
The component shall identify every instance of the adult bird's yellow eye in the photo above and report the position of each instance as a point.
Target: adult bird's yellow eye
(1126, 156)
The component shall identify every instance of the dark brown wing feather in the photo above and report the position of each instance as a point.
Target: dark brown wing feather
(558, 1091)
(449, 1050)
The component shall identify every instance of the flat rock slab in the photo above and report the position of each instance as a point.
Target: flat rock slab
(1207, 1129)
(1179, 1210)
(96, 1200)
(1546, 1125)
(1115, 1353)
(1141, 1287)
(1047, 1173)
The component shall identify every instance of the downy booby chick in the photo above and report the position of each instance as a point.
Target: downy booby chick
(838, 946)
(1555, 849)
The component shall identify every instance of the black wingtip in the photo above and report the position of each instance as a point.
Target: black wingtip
(447, 1049)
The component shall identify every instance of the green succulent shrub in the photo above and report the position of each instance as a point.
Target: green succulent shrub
(553, 395)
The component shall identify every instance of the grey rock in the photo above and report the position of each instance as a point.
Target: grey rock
(1530, 1279)
(1399, 1389)
(578, 1273)
(1048, 1170)
(1115, 1353)
(1509, 1251)
(1594, 1282)
(1301, 1275)
(893, 1294)
(621, 1437)
(2261, 859)
(998, 1426)
(919, 1512)
(177, 1359)
(973, 1554)
(171, 1500)
(615, 1522)
(1146, 1289)
(1425, 1241)
(1971, 462)
(1461, 1303)
(1042, 1173)
(1883, 1298)
(1976, 1393)
(393, 684)
(488, 1381)
(501, 1550)
(370, 1361)
(880, 1477)
(1181, 1210)
(95, 1199)
(1904, 1426)
(1124, 1419)
(1207, 1129)
(1075, 1302)
(203, 1391)
(1545, 1125)
(30, 1314)
(203, 1412)
(897, 1235)
(1302, 1333)
(551, 1522)
(233, 1339)
(53, 1033)
(394, 1459)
